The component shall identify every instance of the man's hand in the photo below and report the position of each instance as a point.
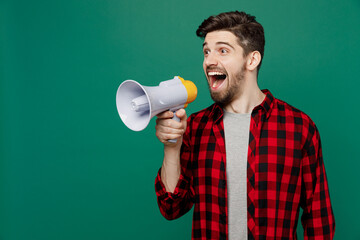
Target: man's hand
(167, 128)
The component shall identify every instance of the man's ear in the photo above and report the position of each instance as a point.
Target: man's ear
(253, 60)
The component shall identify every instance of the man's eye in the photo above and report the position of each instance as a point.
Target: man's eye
(206, 52)
(224, 51)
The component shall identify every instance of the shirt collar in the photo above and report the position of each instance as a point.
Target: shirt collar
(266, 106)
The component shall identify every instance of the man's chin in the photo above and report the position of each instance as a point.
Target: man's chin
(223, 97)
(220, 98)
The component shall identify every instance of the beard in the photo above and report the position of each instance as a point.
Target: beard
(226, 96)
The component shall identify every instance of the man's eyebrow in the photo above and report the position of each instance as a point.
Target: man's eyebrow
(218, 43)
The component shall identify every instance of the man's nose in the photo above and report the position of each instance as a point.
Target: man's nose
(211, 59)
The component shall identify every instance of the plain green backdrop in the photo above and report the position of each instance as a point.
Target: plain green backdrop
(70, 169)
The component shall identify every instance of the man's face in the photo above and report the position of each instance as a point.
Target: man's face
(224, 65)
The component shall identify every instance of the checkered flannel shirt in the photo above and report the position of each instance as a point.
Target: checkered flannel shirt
(285, 171)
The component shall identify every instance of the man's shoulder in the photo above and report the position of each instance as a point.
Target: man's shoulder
(284, 109)
(204, 113)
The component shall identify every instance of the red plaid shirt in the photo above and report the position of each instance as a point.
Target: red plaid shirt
(285, 171)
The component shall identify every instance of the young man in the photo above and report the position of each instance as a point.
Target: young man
(249, 161)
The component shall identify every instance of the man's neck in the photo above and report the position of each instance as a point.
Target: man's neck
(248, 98)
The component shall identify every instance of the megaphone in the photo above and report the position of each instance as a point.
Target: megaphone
(137, 104)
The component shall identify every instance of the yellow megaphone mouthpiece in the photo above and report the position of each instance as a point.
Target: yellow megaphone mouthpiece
(191, 90)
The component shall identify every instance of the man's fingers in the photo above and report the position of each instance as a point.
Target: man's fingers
(164, 134)
(169, 130)
(167, 137)
(168, 123)
(181, 113)
(166, 114)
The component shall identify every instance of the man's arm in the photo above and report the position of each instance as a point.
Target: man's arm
(166, 129)
(318, 218)
(173, 184)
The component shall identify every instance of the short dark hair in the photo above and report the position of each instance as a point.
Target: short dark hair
(249, 32)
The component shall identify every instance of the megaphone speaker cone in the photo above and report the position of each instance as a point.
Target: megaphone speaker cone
(137, 104)
(133, 105)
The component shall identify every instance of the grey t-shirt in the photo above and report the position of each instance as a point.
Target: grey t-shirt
(237, 126)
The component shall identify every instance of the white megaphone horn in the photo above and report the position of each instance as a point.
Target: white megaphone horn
(137, 104)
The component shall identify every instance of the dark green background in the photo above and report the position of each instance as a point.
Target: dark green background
(70, 169)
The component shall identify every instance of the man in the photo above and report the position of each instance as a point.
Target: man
(249, 161)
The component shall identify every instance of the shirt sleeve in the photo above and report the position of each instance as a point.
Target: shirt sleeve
(317, 218)
(174, 205)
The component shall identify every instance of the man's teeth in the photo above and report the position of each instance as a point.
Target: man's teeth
(215, 73)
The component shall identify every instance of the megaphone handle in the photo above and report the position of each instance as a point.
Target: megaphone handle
(176, 119)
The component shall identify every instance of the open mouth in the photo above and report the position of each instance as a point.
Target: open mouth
(217, 79)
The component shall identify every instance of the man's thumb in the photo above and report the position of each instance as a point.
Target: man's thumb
(181, 113)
